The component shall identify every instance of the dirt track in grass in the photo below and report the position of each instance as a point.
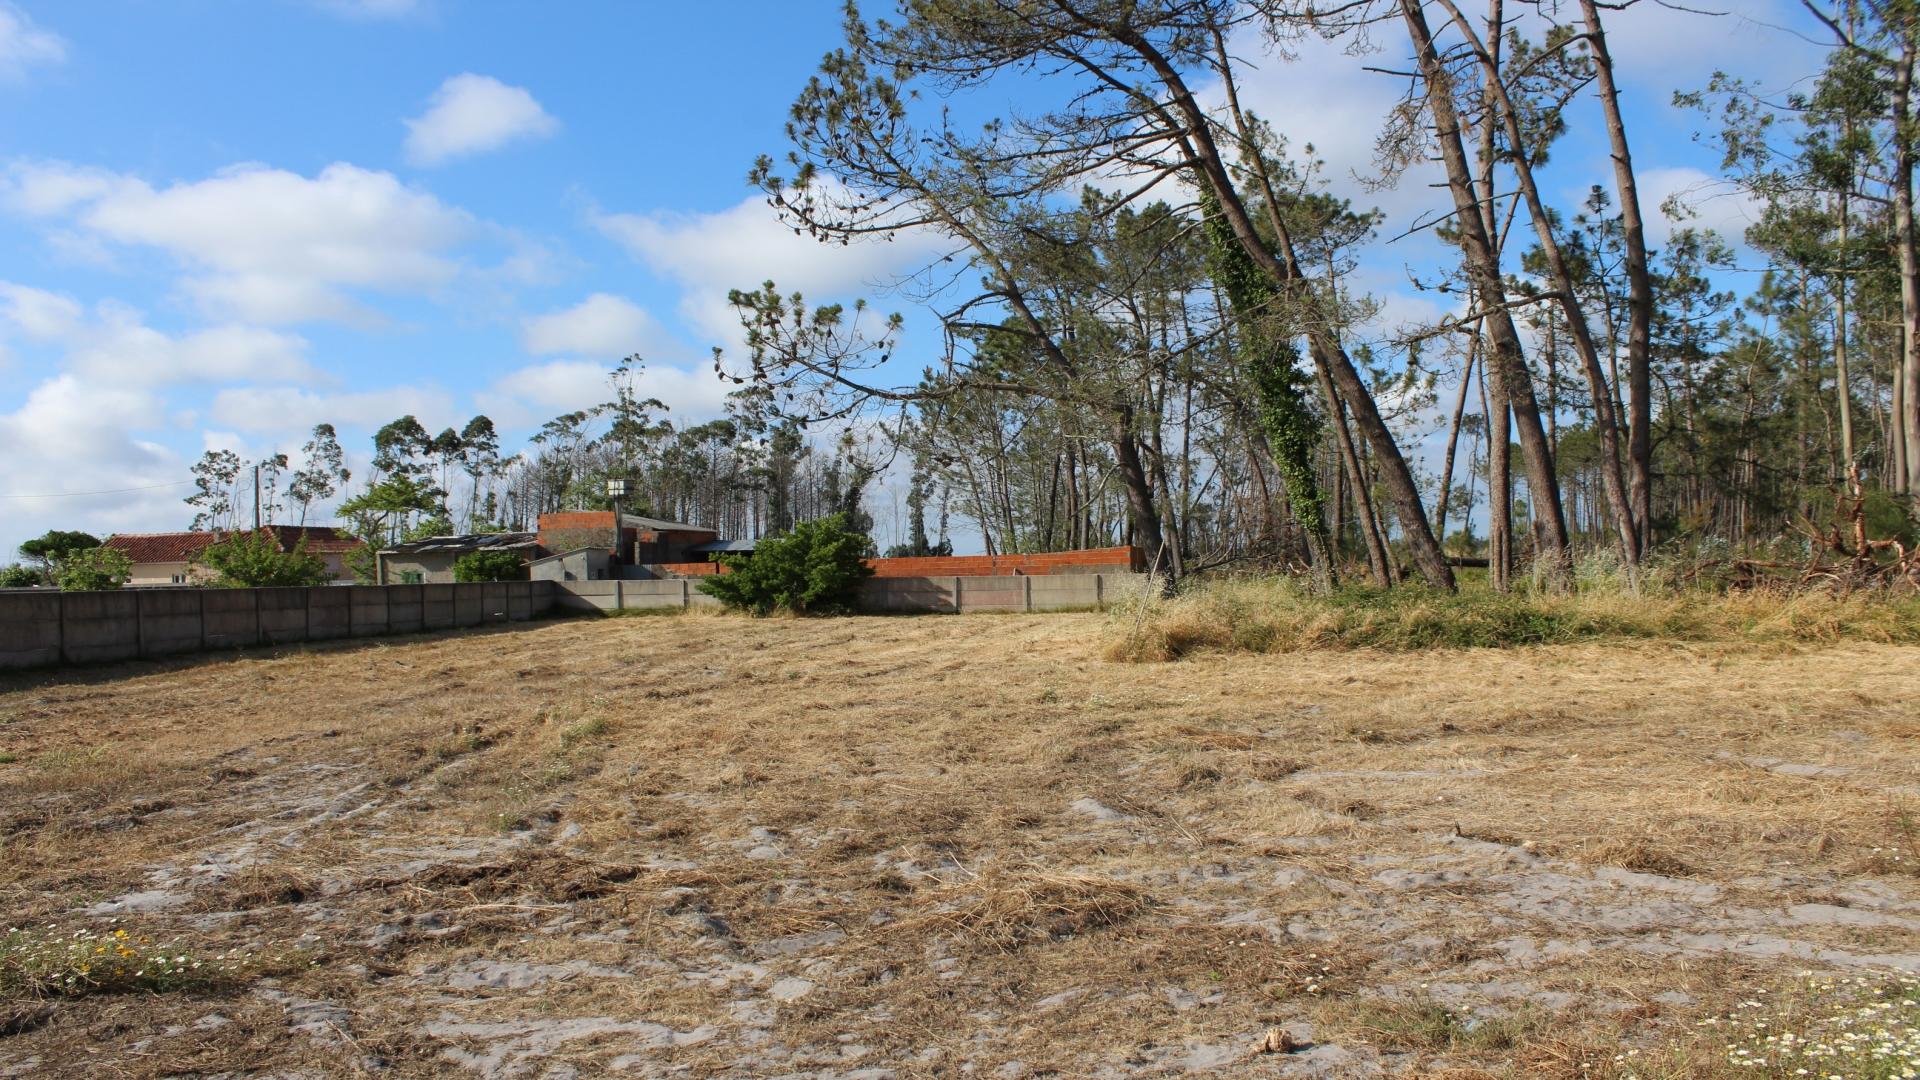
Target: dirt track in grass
(949, 846)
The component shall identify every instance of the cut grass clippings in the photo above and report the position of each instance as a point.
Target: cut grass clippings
(967, 834)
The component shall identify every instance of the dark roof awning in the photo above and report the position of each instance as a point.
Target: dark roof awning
(714, 547)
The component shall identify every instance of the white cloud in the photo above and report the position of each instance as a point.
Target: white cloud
(472, 114)
(37, 314)
(602, 325)
(24, 45)
(290, 409)
(51, 188)
(1660, 48)
(71, 435)
(1715, 203)
(534, 393)
(260, 244)
(125, 351)
(114, 347)
(746, 245)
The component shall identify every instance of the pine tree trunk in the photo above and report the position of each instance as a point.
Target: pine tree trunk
(1350, 462)
(1904, 240)
(1639, 284)
(1606, 422)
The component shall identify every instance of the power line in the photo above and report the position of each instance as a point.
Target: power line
(109, 491)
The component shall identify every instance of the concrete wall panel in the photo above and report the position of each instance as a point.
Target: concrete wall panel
(405, 614)
(437, 606)
(101, 626)
(369, 609)
(171, 620)
(29, 629)
(230, 618)
(329, 612)
(992, 593)
(493, 601)
(283, 615)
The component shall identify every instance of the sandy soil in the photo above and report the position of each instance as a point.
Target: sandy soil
(949, 846)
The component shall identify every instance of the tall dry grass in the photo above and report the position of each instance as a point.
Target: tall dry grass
(1278, 614)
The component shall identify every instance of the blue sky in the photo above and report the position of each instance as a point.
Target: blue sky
(226, 220)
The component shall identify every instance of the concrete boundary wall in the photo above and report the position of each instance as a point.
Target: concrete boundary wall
(879, 595)
(40, 628)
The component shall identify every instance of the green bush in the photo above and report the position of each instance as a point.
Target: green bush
(253, 560)
(18, 577)
(94, 570)
(489, 566)
(813, 570)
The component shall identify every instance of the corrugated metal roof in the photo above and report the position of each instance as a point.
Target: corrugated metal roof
(463, 544)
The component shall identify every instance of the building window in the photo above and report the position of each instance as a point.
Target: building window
(178, 579)
(412, 577)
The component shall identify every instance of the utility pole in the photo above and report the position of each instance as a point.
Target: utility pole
(256, 498)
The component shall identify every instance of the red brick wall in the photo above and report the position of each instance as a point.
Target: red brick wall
(689, 569)
(572, 529)
(1115, 560)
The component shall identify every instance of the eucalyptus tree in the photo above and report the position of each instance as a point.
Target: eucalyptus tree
(215, 498)
(480, 460)
(323, 470)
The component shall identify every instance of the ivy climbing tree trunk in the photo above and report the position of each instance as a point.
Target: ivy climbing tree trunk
(1272, 366)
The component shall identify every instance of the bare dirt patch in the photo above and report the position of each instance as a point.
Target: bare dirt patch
(701, 846)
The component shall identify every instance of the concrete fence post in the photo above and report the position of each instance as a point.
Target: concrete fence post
(619, 595)
(140, 630)
(1099, 590)
(686, 593)
(958, 607)
(1027, 588)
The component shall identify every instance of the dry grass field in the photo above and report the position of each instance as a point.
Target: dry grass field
(945, 847)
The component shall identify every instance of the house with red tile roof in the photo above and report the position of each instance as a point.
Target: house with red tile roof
(172, 558)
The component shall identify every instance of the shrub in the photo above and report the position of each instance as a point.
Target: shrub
(18, 577)
(94, 570)
(253, 560)
(489, 566)
(813, 570)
